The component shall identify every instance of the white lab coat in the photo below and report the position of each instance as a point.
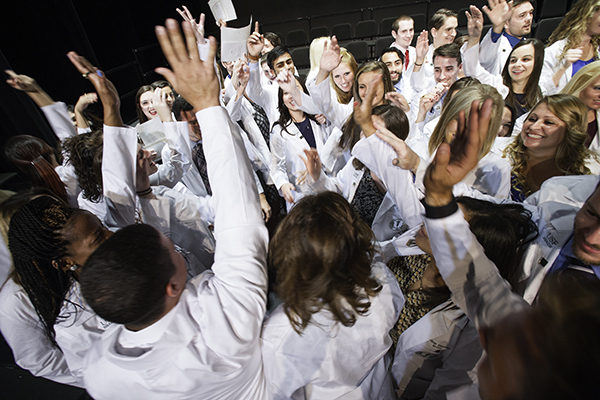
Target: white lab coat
(326, 101)
(286, 149)
(332, 361)
(208, 345)
(551, 65)
(558, 200)
(24, 333)
(436, 354)
(493, 56)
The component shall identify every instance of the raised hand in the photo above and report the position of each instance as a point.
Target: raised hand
(106, 90)
(195, 80)
(255, 44)
(159, 101)
(84, 101)
(313, 163)
(321, 119)
(407, 158)
(573, 55)
(453, 161)
(498, 12)
(474, 24)
(22, 82)
(198, 27)
(363, 111)
(422, 47)
(398, 100)
(331, 57)
(241, 76)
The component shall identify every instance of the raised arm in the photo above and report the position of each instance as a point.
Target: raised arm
(474, 281)
(240, 256)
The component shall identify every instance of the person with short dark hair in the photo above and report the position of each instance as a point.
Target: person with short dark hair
(442, 26)
(403, 30)
(511, 23)
(178, 340)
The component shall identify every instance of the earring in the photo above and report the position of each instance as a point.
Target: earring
(74, 267)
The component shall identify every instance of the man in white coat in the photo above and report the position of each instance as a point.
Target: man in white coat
(178, 340)
(511, 22)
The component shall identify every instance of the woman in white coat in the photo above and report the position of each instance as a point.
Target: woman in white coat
(294, 132)
(586, 85)
(572, 45)
(329, 338)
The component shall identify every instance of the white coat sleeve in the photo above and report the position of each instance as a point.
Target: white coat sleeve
(377, 156)
(473, 68)
(173, 168)
(476, 285)
(489, 52)
(234, 300)
(279, 172)
(58, 117)
(326, 102)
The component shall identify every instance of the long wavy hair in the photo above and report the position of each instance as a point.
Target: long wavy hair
(461, 101)
(35, 240)
(571, 153)
(533, 93)
(574, 25)
(350, 62)
(322, 254)
(350, 130)
(34, 157)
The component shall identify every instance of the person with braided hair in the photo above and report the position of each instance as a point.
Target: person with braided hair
(42, 314)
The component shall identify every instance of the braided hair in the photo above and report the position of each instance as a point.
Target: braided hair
(34, 240)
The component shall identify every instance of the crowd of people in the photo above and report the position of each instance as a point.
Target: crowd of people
(423, 225)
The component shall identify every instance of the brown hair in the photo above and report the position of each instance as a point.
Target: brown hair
(574, 25)
(34, 157)
(322, 254)
(571, 153)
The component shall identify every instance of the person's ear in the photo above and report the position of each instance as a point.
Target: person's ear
(433, 32)
(394, 34)
(65, 264)
(174, 288)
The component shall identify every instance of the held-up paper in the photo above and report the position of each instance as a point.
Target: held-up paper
(233, 42)
(222, 9)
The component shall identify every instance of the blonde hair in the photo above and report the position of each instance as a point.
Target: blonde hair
(316, 50)
(571, 153)
(582, 79)
(461, 101)
(574, 25)
(350, 62)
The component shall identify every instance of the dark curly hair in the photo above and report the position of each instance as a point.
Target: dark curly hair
(84, 152)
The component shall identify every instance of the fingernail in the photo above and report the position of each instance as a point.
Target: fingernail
(100, 73)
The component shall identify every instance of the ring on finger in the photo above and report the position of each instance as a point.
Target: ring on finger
(85, 75)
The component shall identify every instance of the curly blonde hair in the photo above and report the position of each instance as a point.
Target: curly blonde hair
(571, 153)
(574, 25)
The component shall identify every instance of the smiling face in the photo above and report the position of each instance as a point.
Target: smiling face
(543, 130)
(445, 34)
(405, 33)
(283, 62)
(586, 242)
(146, 105)
(343, 77)
(363, 80)
(590, 95)
(520, 21)
(521, 63)
(394, 64)
(288, 101)
(445, 70)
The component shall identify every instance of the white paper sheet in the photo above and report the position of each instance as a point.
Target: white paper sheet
(222, 9)
(233, 42)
